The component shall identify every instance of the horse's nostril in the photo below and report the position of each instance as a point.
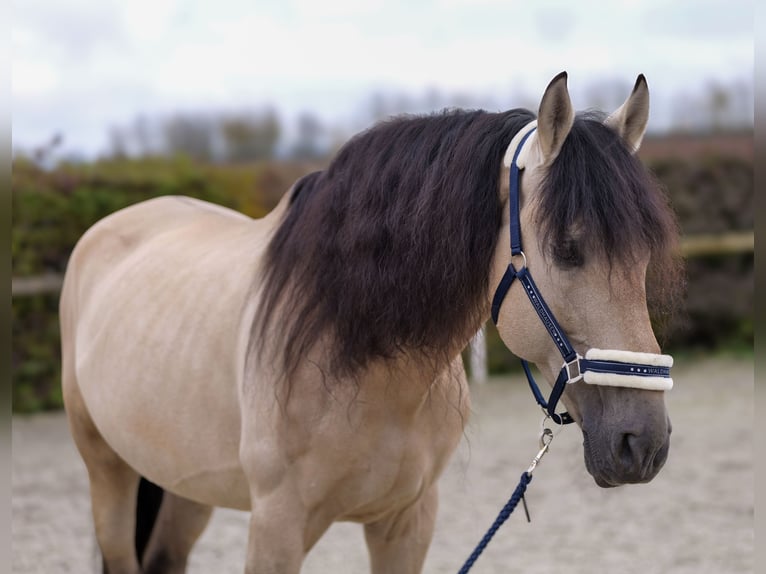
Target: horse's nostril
(639, 456)
(629, 457)
(629, 451)
(659, 458)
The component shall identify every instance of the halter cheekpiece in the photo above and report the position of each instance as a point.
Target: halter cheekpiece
(609, 367)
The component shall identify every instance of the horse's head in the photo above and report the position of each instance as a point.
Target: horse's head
(591, 222)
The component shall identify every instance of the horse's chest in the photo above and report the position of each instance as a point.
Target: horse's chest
(388, 466)
(386, 483)
(357, 457)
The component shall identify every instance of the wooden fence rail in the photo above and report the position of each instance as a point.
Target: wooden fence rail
(719, 244)
(36, 285)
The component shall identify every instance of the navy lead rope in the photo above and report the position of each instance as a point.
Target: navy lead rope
(518, 495)
(509, 507)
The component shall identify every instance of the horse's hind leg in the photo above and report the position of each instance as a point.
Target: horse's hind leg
(179, 524)
(113, 489)
(398, 544)
(113, 484)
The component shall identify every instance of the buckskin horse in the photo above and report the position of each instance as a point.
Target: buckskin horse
(306, 366)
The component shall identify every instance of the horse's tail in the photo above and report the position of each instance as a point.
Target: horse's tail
(147, 507)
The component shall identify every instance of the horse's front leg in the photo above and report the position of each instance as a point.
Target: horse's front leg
(275, 543)
(282, 531)
(398, 544)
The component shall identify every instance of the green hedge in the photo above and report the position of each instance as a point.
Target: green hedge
(52, 209)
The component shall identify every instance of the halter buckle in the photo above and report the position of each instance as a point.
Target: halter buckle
(568, 366)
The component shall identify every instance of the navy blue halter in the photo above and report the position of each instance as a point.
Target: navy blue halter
(574, 365)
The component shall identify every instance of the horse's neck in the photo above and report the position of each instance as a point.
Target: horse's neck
(413, 381)
(402, 387)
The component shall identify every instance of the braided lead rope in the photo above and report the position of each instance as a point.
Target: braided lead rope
(517, 495)
(546, 437)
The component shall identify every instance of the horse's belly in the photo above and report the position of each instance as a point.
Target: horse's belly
(176, 425)
(188, 447)
(159, 351)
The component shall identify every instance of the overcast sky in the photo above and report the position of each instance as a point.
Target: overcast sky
(81, 66)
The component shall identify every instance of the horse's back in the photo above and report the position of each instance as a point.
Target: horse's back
(116, 236)
(154, 314)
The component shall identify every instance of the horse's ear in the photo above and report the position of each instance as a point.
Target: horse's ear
(630, 119)
(555, 118)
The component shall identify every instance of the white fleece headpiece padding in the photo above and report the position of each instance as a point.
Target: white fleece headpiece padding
(521, 161)
(636, 381)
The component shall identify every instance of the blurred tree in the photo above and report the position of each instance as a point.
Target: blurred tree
(45, 155)
(248, 137)
(137, 139)
(715, 108)
(378, 107)
(606, 94)
(310, 133)
(719, 100)
(118, 142)
(142, 136)
(337, 138)
(189, 135)
(741, 103)
(433, 99)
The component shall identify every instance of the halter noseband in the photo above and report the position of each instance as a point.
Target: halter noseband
(609, 367)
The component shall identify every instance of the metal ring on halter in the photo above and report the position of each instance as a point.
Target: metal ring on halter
(554, 431)
(524, 257)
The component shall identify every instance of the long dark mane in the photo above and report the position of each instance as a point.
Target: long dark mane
(388, 250)
(598, 200)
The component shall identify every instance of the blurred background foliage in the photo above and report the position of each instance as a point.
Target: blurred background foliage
(242, 161)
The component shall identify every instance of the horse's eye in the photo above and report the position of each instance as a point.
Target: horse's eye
(569, 254)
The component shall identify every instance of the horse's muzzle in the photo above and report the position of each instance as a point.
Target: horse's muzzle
(626, 457)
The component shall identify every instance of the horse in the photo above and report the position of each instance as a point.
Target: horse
(306, 366)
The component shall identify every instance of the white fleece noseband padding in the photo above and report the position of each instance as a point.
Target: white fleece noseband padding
(643, 363)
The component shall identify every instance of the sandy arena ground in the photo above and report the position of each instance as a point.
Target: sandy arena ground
(695, 517)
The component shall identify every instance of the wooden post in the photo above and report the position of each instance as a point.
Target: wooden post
(479, 356)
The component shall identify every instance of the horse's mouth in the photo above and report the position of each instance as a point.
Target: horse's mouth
(610, 475)
(594, 464)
